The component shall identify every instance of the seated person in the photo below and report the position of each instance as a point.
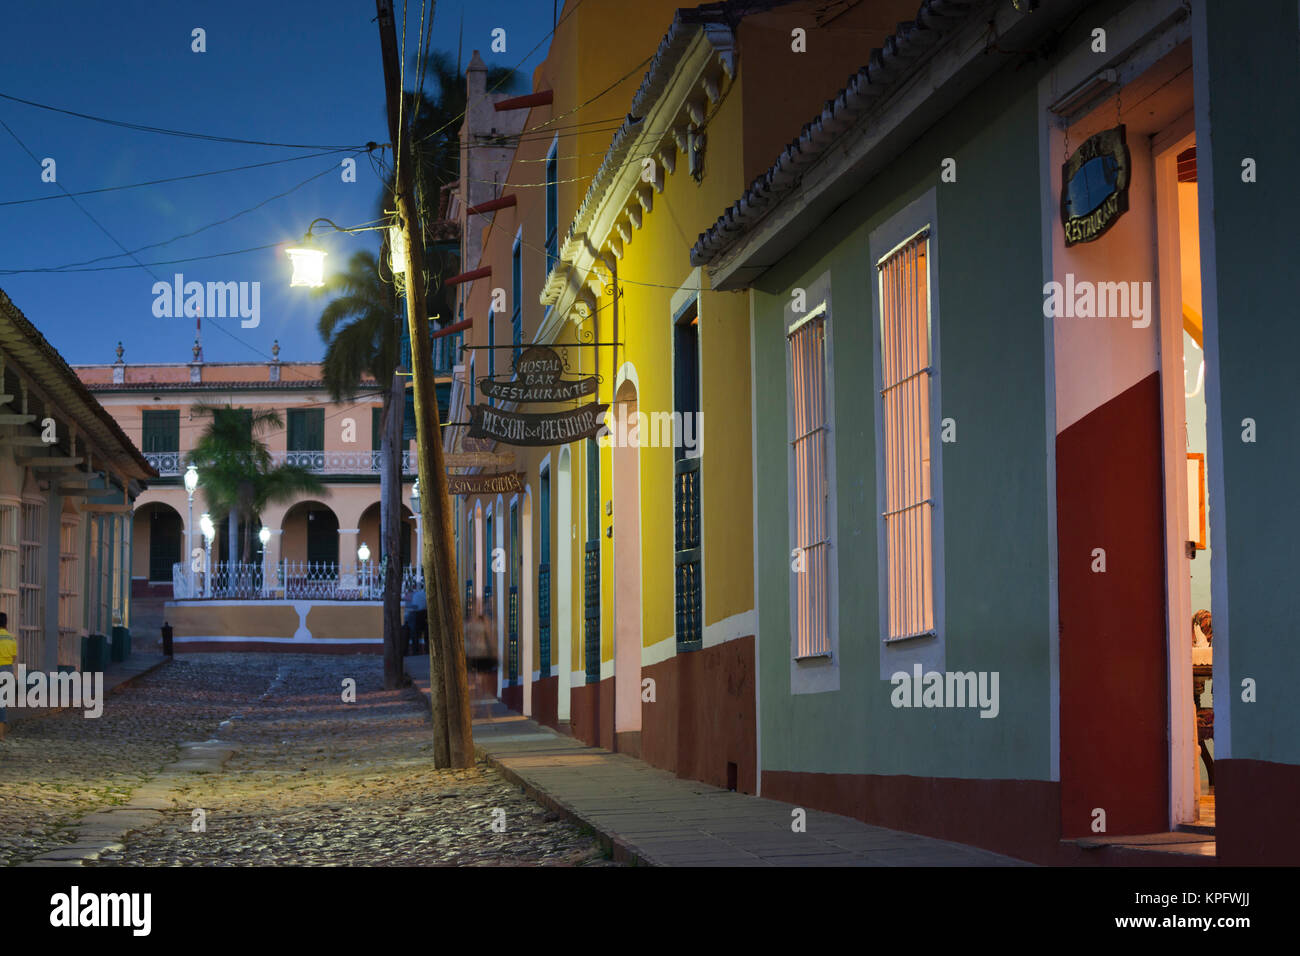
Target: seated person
(1203, 625)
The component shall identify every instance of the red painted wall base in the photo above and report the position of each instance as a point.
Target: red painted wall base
(1256, 812)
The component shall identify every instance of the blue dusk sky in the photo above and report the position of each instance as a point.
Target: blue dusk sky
(284, 71)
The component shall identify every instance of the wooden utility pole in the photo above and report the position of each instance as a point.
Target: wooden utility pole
(390, 513)
(453, 741)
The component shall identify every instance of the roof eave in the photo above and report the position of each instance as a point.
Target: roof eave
(756, 232)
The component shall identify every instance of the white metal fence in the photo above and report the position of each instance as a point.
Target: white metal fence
(171, 463)
(288, 580)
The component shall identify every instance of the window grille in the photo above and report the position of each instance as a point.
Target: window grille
(811, 487)
(69, 594)
(9, 517)
(31, 585)
(906, 377)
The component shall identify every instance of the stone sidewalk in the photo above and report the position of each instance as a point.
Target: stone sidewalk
(116, 675)
(649, 816)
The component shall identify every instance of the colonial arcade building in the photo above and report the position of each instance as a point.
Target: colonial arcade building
(69, 476)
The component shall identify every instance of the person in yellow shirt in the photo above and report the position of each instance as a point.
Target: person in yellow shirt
(8, 653)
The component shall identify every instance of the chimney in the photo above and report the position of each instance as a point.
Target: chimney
(475, 81)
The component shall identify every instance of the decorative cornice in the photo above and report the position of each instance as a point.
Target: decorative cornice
(866, 92)
(694, 57)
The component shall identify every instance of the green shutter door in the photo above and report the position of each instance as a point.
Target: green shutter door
(307, 429)
(162, 431)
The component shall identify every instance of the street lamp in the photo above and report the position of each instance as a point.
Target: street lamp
(309, 259)
(209, 532)
(308, 265)
(363, 555)
(191, 485)
(418, 560)
(264, 536)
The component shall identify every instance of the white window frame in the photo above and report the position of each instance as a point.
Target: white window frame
(31, 582)
(815, 673)
(809, 553)
(900, 652)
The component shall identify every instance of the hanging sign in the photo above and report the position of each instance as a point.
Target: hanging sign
(503, 484)
(546, 428)
(1094, 186)
(539, 377)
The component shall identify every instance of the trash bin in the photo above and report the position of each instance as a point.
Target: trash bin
(167, 638)
(94, 653)
(119, 650)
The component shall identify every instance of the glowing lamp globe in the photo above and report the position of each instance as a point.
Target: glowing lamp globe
(363, 553)
(308, 266)
(264, 535)
(207, 527)
(191, 478)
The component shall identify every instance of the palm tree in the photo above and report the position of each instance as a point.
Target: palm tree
(436, 113)
(363, 336)
(434, 116)
(238, 476)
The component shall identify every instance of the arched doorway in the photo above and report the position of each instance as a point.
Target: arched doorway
(311, 534)
(563, 600)
(524, 561)
(370, 532)
(164, 529)
(627, 578)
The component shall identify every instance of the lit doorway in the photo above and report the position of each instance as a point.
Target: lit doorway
(1191, 627)
(564, 583)
(627, 576)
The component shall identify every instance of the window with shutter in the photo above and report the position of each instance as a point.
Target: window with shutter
(162, 430)
(306, 429)
(810, 489)
(905, 372)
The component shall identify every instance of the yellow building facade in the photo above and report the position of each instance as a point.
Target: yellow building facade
(619, 579)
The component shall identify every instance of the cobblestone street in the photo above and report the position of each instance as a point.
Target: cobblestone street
(312, 780)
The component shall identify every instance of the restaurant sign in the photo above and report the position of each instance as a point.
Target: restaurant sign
(539, 377)
(1094, 186)
(507, 483)
(548, 428)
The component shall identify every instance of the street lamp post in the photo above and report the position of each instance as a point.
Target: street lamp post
(209, 532)
(419, 528)
(191, 484)
(363, 555)
(265, 537)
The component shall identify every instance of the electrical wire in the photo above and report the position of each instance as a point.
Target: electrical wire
(585, 103)
(86, 212)
(140, 127)
(145, 265)
(175, 179)
(186, 235)
(549, 33)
